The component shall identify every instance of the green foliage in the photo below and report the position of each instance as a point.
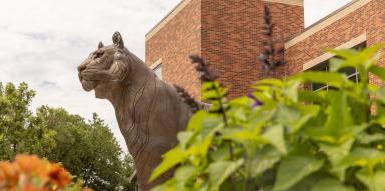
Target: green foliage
(295, 140)
(87, 149)
(20, 131)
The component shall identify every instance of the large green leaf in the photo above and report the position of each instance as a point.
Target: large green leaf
(295, 117)
(339, 126)
(355, 58)
(308, 182)
(200, 147)
(220, 171)
(196, 120)
(185, 172)
(275, 136)
(363, 157)
(339, 115)
(170, 159)
(294, 168)
(373, 181)
(365, 138)
(336, 153)
(264, 160)
(184, 138)
(331, 185)
(181, 179)
(242, 135)
(332, 79)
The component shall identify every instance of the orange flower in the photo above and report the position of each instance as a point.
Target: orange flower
(29, 187)
(58, 175)
(9, 172)
(30, 173)
(30, 165)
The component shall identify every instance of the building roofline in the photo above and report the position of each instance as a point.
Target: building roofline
(170, 15)
(288, 2)
(326, 21)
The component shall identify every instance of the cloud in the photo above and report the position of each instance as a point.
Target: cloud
(42, 42)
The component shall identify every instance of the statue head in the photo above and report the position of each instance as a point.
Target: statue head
(105, 68)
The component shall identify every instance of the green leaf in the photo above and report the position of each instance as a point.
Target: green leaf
(170, 159)
(339, 115)
(264, 160)
(295, 117)
(290, 91)
(220, 171)
(275, 136)
(339, 126)
(311, 97)
(363, 157)
(365, 138)
(332, 79)
(331, 185)
(353, 58)
(294, 168)
(184, 138)
(308, 182)
(200, 147)
(373, 181)
(336, 153)
(184, 173)
(203, 123)
(242, 135)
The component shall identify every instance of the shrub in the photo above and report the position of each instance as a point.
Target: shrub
(286, 137)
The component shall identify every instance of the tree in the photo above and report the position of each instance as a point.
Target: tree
(87, 149)
(19, 129)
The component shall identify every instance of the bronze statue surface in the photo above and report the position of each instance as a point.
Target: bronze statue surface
(149, 111)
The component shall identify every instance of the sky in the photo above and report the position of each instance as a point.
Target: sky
(42, 42)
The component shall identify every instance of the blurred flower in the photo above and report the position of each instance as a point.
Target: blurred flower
(30, 165)
(256, 102)
(30, 173)
(58, 175)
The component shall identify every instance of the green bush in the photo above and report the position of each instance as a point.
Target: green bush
(285, 137)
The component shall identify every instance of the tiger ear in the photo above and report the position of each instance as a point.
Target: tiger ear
(100, 45)
(117, 39)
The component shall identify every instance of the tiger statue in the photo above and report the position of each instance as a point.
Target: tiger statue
(149, 111)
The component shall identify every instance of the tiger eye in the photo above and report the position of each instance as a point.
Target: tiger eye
(99, 54)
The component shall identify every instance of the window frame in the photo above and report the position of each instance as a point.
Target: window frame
(325, 65)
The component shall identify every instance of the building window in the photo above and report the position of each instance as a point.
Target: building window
(158, 71)
(351, 73)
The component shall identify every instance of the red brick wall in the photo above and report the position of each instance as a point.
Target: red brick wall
(232, 38)
(173, 43)
(369, 19)
(227, 33)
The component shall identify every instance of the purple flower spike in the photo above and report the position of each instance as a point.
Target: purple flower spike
(256, 103)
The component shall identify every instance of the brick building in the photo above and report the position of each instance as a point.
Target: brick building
(228, 34)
